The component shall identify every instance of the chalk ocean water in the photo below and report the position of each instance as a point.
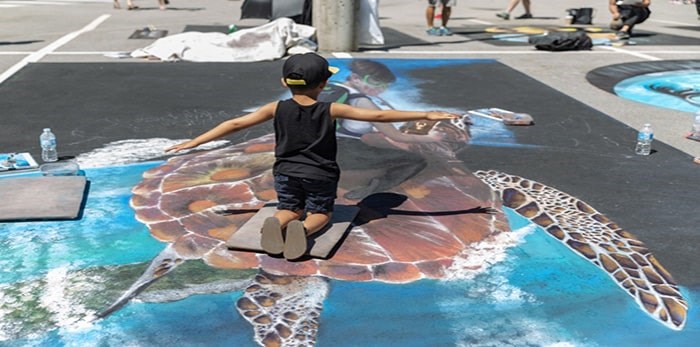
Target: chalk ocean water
(677, 90)
(534, 292)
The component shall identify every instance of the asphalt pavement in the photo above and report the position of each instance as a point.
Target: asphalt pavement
(85, 30)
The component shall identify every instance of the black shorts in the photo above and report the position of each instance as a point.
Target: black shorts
(314, 196)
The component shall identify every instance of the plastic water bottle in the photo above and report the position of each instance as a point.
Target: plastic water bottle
(696, 124)
(644, 139)
(48, 146)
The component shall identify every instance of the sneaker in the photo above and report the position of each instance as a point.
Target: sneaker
(504, 15)
(271, 240)
(524, 16)
(295, 245)
(433, 31)
(445, 32)
(621, 35)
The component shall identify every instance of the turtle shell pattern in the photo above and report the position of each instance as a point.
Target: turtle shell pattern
(197, 201)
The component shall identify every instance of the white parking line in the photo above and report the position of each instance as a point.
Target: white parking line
(636, 54)
(480, 22)
(22, 3)
(36, 56)
(672, 22)
(342, 55)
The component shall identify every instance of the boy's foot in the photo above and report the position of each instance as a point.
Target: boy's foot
(621, 35)
(444, 31)
(433, 31)
(504, 15)
(524, 16)
(271, 240)
(295, 245)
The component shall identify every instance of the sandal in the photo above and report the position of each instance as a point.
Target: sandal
(295, 243)
(271, 240)
(132, 8)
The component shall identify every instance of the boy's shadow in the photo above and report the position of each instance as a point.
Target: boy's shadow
(381, 205)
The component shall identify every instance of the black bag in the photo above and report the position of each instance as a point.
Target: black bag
(562, 41)
(581, 15)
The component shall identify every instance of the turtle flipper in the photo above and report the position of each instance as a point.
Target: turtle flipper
(284, 310)
(599, 240)
(162, 264)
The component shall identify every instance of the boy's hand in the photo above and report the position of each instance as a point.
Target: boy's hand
(440, 115)
(181, 146)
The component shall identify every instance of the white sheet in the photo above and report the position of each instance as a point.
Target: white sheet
(266, 42)
(368, 31)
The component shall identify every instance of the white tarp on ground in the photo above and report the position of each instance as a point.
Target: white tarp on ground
(266, 42)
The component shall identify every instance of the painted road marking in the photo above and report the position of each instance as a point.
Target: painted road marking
(633, 53)
(25, 3)
(342, 55)
(36, 56)
(672, 22)
(480, 22)
(32, 3)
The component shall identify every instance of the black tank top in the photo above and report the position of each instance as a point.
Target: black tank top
(306, 146)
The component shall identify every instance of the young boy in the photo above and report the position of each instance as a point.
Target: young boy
(305, 171)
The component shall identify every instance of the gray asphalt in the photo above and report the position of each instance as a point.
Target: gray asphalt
(37, 33)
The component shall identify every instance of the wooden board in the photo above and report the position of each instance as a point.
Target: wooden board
(41, 198)
(321, 243)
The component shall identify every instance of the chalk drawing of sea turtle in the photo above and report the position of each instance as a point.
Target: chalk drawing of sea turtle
(195, 202)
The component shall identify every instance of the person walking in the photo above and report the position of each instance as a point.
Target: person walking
(306, 172)
(445, 17)
(511, 6)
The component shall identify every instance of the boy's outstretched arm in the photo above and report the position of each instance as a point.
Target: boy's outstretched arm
(370, 115)
(263, 114)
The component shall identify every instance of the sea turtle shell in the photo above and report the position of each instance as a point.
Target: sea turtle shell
(197, 201)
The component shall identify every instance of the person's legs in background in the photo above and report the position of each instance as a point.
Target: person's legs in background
(511, 6)
(446, 12)
(528, 13)
(630, 17)
(430, 18)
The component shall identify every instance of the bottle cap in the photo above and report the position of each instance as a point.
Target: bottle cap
(47, 129)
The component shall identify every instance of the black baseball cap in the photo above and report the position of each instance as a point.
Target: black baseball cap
(308, 69)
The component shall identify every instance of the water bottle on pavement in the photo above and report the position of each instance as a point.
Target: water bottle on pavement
(48, 146)
(696, 125)
(644, 139)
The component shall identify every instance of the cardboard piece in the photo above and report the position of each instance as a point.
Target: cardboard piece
(321, 244)
(41, 198)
